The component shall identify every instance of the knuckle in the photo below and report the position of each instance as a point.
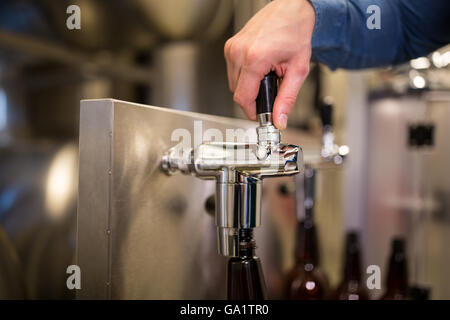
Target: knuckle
(227, 47)
(252, 55)
(303, 70)
(234, 51)
(289, 100)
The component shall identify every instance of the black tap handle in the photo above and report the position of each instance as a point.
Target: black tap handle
(267, 92)
(326, 112)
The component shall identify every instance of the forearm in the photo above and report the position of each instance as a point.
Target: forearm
(342, 39)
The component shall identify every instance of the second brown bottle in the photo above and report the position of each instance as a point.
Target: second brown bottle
(352, 286)
(306, 281)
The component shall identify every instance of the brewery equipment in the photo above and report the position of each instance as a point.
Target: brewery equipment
(142, 234)
(239, 169)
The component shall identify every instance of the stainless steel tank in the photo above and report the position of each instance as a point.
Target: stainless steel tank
(12, 280)
(409, 188)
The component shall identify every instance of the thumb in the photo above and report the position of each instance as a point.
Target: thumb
(287, 95)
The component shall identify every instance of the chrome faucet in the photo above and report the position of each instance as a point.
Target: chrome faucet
(331, 155)
(239, 169)
(331, 152)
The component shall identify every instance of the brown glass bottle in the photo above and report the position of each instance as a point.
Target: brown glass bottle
(245, 279)
(352, 287)
(306, 281)
(397, 278)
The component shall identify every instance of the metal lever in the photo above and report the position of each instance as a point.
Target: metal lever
(266, 97)
(267, 133)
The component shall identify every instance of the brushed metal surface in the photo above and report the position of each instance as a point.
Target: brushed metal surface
(95, 147)
(142, 234)
(145, 235)
(12, 284)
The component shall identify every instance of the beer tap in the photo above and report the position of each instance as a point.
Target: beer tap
(331, 156)
(239, 169)
(331, 152)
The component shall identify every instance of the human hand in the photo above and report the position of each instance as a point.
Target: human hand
(278, 37)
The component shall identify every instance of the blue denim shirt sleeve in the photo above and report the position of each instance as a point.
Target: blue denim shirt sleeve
(408, 29)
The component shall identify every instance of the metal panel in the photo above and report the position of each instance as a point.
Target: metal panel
(161, 242)
(94, 197)
(140, 233)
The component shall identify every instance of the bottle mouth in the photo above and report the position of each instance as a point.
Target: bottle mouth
(246, 241)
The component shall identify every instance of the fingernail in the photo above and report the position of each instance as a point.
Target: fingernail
(282, 121)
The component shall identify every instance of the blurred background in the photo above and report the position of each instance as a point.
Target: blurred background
(169, 53)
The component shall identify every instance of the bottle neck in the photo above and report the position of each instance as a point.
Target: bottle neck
(397, 280)
(247, 244)
(352, 266)
(245, 279)
(307, 246)
(352, 269)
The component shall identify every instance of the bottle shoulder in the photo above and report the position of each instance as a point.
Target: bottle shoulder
(307, 271)
(244, 260)
(394, 296)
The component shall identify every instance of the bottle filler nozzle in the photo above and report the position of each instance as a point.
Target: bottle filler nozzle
(239, 169)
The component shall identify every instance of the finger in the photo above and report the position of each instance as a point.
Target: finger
(230, 76)
(247, 90)
(290, 86)
(234, 58)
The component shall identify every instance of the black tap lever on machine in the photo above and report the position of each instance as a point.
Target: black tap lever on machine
(239, 169)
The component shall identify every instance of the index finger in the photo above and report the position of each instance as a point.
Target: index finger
(247, 90)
